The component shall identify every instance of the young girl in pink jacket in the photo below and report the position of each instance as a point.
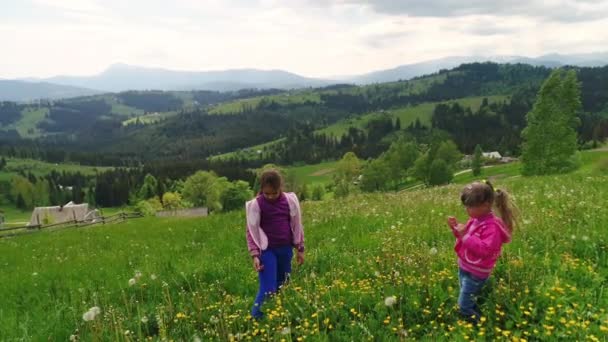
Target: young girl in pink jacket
(479, 241)
(274, 228)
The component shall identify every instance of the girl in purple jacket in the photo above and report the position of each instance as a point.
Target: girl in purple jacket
(479, 241)
(274, 228)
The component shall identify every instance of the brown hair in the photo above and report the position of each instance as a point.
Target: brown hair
(478, 193)
(272, 178)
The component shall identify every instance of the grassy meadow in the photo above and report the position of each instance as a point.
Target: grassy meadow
(192, 279)
(407, 115)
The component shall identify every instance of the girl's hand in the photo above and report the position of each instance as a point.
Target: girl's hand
(300, 258)
(460, 228)
(257, 264)
(452, 222)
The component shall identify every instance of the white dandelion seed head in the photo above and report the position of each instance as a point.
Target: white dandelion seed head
(88, 316)
(95, 310)
(585, 238)
(144, 319)
(333, 240)
(390, 301)
(286, 331)
(132, 281)
(34, 274)
(573, 237)
(153, 276)
(433, 251)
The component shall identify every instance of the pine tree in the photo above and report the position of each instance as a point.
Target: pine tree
(476, 164)
(550, 138)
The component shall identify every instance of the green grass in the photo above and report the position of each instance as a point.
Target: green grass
(40, 168)
(14, 217)
(27, 125)
(150, 118)
(252, 152)
(295, 97)
(312, 174)
(197, 280)
(406, 115)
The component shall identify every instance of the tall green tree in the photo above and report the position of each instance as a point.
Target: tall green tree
(149, 188)
(550, 137)
(236, 195)
(476, 163)
(205, 189)
(399, 158)
(374, 176)
(347, 174)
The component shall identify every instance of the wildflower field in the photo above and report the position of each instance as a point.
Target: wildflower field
(378, 267)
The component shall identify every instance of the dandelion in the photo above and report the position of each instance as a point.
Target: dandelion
(377, 274)
(180, 315)
(91, 314)
(144, 319)
(138, 275)
(286, 331)
(433, 251)
(573, 237)
(153, 276)
(73, 338)
(196, 339)
(34, 274)
(132, 281)
(127, 332)
(585, 238)
(390, 301)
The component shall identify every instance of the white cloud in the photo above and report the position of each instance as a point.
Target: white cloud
(310, 37)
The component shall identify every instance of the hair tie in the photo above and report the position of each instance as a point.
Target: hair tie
(485, 181)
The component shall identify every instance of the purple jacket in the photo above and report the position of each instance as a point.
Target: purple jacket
(257, 241)
(479, 247)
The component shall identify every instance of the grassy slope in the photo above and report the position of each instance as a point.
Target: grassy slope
(406, 115)
(39, 168)
(197, 278)
(295, 97)
(27, 125)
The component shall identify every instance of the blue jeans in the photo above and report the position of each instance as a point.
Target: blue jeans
(470, 287)
(277, 267)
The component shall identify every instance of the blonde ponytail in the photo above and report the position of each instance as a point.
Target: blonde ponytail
(506, 209)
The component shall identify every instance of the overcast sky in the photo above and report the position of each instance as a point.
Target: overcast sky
(318, 38)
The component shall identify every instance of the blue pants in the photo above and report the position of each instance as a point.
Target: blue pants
(470, 287)
(277, 267)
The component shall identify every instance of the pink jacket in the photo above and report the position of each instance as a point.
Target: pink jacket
(479, 247)
(257, 240)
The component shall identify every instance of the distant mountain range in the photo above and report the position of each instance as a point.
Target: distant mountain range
(121, 77)
(23, 91)
(408, 71)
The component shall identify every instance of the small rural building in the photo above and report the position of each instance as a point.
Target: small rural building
(492, 155)
(59, 214)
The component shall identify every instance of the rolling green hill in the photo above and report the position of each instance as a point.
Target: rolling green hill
(407, 115)
(378, 267)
